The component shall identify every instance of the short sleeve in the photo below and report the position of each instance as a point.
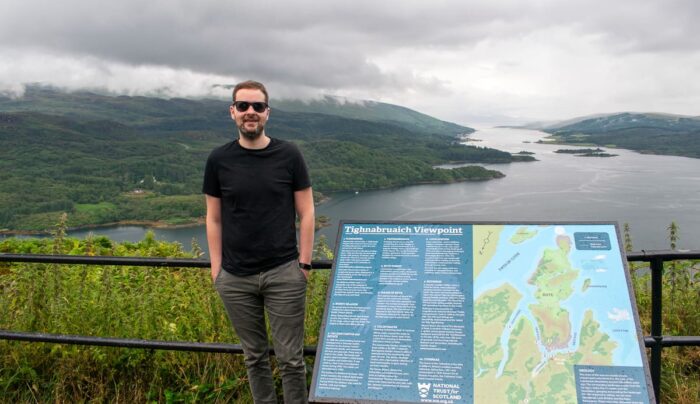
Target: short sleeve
(301, 173)
(211, 184)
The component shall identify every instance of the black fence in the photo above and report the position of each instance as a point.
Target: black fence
(656, 341)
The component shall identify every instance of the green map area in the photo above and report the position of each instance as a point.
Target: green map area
(539, 309)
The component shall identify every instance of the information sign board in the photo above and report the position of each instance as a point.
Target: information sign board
(479, 313)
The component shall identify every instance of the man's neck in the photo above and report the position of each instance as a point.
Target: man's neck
(260, 142)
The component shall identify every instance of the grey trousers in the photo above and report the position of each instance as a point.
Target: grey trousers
(281, 291)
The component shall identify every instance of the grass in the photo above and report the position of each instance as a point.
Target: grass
(125, 302)
(680, 373)
(94, 208)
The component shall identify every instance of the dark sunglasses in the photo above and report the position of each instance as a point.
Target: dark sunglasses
(242, 106)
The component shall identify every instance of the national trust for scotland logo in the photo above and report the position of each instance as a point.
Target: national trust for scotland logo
(423, 389)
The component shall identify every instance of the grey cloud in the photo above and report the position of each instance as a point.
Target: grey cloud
(242, 41)
(327, 45)
(319, 44)
(635, 26)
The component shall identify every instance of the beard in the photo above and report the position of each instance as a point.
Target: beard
(251, 134)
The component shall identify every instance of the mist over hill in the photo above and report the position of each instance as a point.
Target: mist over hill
(373, 111)
(627, 120)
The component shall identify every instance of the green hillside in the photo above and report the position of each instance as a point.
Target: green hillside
(643, 132)
(106, 159)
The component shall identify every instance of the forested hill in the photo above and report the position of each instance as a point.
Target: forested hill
(644, 132)
(375, 112)
(105, 159)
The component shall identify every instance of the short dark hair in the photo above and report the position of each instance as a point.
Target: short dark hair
(250, 84)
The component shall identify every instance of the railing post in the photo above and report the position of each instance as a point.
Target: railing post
(657, 269)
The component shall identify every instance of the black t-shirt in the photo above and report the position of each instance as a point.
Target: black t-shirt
(256, 188)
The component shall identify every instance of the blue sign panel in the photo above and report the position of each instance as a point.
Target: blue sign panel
(457, 313)
(397, 325)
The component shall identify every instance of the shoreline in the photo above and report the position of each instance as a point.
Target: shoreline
(160, 224)
(148, 224)
(550, 140)
(328, 198)
(151, 224)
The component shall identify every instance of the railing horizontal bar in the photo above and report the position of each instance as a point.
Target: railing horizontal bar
(130, 261)
(104, 260)
(132, 343)
(669, 340)
(664, 255)
(665, 341)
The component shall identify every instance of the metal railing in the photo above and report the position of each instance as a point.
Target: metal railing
(656, 341)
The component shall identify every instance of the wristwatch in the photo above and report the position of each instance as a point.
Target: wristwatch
(307, 267)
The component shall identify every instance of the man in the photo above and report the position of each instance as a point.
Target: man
(255, 186)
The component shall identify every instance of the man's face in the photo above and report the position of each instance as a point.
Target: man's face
(250, 124)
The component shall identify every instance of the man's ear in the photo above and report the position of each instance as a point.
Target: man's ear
(231, 110)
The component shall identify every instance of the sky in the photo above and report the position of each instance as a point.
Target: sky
(471, 62)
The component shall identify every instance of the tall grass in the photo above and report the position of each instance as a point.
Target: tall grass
(680, 374)
(182, 305)
(126, 302)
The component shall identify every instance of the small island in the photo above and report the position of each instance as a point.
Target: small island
(586, 285)
(522, 235)
(597, 152)
(523, 156)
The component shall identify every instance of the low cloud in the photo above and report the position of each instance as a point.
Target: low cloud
(19, 68)
(452, 59)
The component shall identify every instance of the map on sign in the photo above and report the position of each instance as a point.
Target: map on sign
(460, 313)
(550, 302)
